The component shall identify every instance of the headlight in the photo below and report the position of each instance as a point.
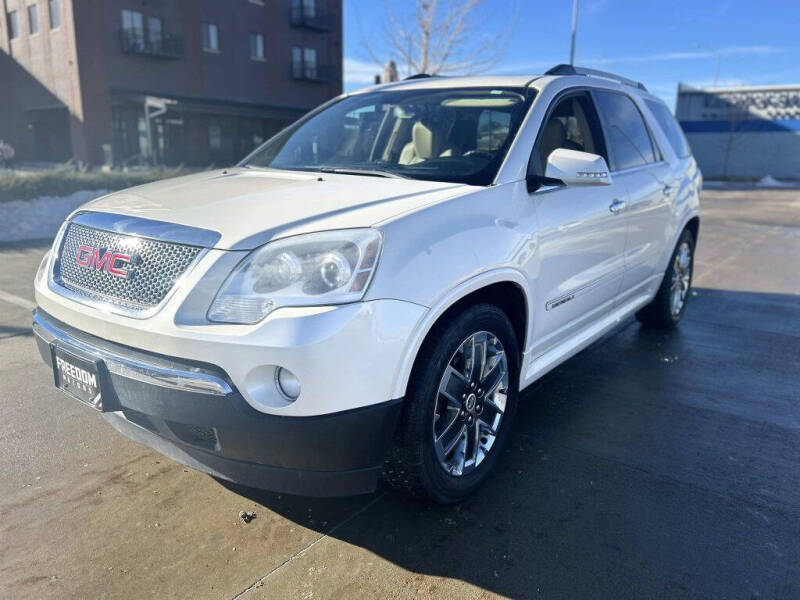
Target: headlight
(331, 267)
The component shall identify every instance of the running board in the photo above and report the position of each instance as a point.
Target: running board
(534, 368)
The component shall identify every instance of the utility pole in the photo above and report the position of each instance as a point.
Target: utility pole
(574, 31)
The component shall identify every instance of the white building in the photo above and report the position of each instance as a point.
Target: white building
(743, 132)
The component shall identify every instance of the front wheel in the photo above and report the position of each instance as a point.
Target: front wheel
(460, 404)
(669, 304)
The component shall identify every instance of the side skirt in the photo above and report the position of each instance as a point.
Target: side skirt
(535, 367)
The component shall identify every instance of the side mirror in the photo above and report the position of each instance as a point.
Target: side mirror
(577, 168)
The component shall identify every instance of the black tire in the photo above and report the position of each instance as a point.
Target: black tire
(659, 314)
(412, 464)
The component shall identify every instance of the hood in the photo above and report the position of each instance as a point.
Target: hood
(250, 207)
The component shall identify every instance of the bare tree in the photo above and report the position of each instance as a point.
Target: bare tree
(439, 37)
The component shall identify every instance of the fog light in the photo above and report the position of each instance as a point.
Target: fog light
(287, 383)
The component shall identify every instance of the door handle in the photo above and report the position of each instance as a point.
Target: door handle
(668, 189)
(617, 206)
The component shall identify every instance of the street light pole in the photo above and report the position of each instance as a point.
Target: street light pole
(717, 59)
(574, 31)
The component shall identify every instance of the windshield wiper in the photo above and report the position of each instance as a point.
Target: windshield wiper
(367, 172)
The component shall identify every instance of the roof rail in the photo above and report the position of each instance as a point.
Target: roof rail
(572, 70)
(419, 76)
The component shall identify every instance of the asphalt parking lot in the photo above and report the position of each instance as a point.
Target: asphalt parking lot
(652, 465)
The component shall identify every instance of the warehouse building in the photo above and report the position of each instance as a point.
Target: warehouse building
(743, 132)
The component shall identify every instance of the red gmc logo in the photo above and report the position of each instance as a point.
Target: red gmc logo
(113, 263)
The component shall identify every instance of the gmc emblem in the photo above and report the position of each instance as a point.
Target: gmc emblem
(113, 263)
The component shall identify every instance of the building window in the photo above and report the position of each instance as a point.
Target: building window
(13, 25)
(54, 10)
(305, 8)
(155, 33)
(146, 36)
(33, 19)
(214, 135)
(133, 30)
(304, 63)
(132, 21)
(310, 63)
(210, 37)
(257, 46)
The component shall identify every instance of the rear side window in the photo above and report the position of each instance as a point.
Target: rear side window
(671, 128)
(628, 139)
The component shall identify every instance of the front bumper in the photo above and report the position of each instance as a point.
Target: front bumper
(192, 412)
(345, 357)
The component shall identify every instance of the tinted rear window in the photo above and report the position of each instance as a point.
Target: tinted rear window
(671, 128)
(628, 139)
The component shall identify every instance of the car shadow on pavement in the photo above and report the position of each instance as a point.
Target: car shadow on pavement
(8, 331)
(652, 464)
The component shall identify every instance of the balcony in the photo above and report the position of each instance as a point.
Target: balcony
(158, 45)
(304, 71)
(300, 16)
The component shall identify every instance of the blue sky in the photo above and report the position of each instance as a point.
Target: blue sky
(658, 42)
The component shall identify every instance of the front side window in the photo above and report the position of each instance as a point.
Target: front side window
(54, 12)
(629, 140)
(670, 127)
(33, 19)
(210, 37)
(457, 135)
(13, 24)
(257, 45)
(573, 124)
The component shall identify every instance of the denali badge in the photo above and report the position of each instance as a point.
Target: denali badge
(114, 263)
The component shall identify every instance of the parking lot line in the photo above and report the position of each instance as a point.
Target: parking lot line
(16, 300)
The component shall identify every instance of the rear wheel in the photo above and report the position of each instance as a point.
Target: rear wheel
(460, 404)
(669, 304)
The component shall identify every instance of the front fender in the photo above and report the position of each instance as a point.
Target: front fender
(444, 302)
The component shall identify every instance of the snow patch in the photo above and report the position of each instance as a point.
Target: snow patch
(39, 218)
(768, 181)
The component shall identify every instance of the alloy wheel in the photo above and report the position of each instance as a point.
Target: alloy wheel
(681, 278)
(471, 400)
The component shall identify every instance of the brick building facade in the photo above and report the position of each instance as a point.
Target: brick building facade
(194, 82)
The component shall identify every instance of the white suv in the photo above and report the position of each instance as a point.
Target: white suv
(369, 291)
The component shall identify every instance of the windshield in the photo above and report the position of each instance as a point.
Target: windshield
(458, 135)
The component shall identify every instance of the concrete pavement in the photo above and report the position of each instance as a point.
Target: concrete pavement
(651, 465)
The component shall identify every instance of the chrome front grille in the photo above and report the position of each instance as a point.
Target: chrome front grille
(127, 272)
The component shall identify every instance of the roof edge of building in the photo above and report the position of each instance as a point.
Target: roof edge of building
(685, 88)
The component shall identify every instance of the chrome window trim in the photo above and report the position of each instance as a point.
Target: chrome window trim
(639, 167)
(110, 307)
(187, 381)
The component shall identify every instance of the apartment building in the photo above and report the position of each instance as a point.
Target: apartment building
(194, 82)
